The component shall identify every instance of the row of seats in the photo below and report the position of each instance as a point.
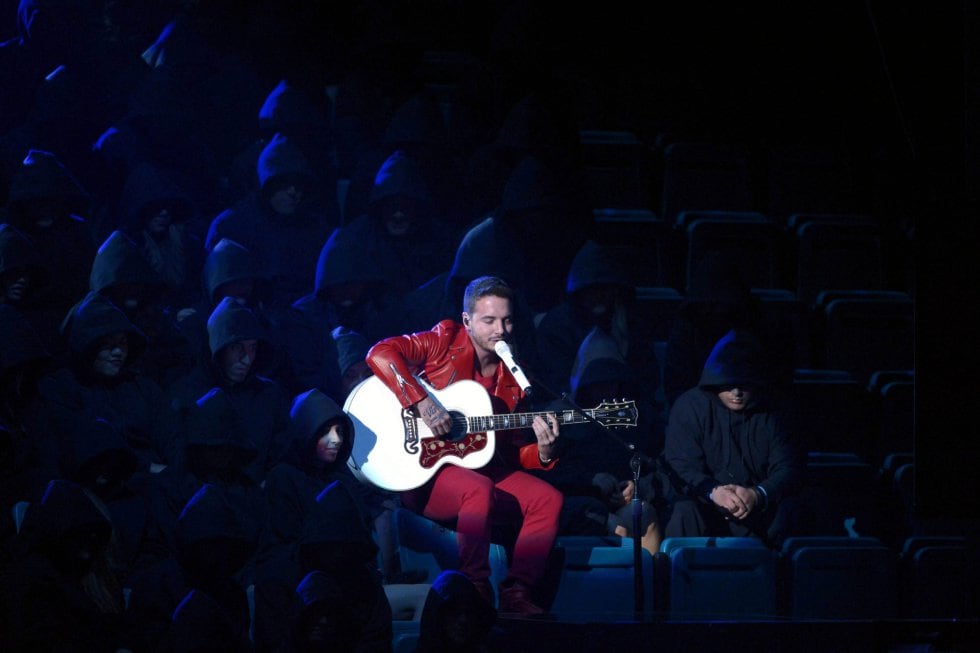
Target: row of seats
(807, 254)
(811, 577)
(680, 175)
(816, 578)
(832, 411)
(856, 331)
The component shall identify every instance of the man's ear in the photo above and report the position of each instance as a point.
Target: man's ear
(466, 319)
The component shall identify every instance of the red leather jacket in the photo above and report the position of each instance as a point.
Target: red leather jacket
(443, 355)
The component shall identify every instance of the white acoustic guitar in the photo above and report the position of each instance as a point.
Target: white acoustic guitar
(396, 451)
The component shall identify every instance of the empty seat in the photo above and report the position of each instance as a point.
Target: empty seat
(811, 179)
(831, 411)
(407, 603)
(705, 176)
(753, 244)
(839, 498)
(617, 168)
(837, 254)
(722, 582)
(596, 579)
(866, 332)
(638, 239)
(783, 318)
(655, 309)
(841, 580)
(684, 218)
(937, 582)
(896, 416)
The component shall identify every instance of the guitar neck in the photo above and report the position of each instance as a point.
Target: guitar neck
(510, 421)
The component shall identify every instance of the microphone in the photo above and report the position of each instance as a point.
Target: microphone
(503, 350)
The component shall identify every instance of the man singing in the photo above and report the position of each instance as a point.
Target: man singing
(476, 499)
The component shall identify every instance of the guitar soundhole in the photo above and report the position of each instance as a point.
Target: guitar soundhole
(458, 431)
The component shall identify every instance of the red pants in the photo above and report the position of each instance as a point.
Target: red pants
(476, 499)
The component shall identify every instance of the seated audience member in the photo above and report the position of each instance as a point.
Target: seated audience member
(738, 467)
(239, 350)
(100, 383)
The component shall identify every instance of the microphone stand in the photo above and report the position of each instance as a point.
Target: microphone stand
(637, 458)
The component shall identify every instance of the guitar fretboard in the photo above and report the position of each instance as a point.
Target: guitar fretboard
(507, 421)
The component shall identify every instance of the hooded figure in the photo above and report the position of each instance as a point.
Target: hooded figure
(239, 351)
(230, 270)
(597, 294)
(21, 270)
(595, 473)
(288, 110)
(336, 541)
(25, 465)
(322, 438)
(350, 291)
(280, 221)
(160, 218)
(736, 466)
(58, 592)
(214, 539)
(455, 616)
(535, 232)
(217, 452)
(100, 383)
(98, 459)
(718, 301)
(399, 230)
(121, 273)
(46, 203)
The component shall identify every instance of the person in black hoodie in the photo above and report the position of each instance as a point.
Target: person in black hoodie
(230, 270)
(214, 540)
(99, 383)
(535, 231)
(239, 350)
(25, 467)
(47, 204)
(399, 229)
(121, 273)
(737, 466)
(281, 221)
(455, 617)
(336, 541)
(57, 592)
(98, 459)
(598, 293)
(595, 473)
(161, 219)
(322, 437)
(321, 440)
(351, 291)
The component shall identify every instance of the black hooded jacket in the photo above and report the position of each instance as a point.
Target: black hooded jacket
(134, 404)
(44, 605)
(409, 260)
(293, 485)
(261, 403)
(709, 444)
(335, 540)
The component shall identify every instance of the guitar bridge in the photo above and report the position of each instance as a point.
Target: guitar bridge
(411, 428)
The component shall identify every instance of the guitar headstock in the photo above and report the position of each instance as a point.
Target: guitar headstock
(616, 412)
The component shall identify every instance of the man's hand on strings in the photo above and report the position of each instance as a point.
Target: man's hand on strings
(434, 416)
(546, 431)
